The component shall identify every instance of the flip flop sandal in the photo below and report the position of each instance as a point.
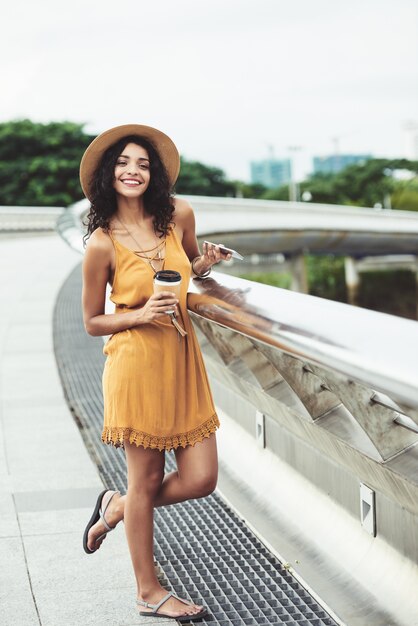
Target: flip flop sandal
(98, 514)
(180, 618)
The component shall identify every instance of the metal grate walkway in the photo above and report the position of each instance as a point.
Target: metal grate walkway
(203, 548)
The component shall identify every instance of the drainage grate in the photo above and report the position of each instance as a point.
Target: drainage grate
(203, 549)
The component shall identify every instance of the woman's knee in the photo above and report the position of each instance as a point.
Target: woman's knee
(145, 470)
(203, 485)
(148, 484)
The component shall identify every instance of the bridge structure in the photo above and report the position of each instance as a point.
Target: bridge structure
(318, 402)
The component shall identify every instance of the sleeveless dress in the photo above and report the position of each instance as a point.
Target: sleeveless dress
(155, 387)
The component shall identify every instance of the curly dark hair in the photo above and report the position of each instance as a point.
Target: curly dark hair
(158, 198)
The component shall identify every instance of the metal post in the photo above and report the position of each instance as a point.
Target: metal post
(297, 267)
(352, 279)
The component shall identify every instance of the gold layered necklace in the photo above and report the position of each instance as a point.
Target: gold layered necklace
(156, 250)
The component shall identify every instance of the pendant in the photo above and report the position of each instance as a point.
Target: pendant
(153, 268)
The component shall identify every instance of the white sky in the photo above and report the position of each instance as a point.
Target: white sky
(224, 78)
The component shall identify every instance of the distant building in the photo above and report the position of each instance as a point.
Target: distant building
(336, 162)
(271, 172)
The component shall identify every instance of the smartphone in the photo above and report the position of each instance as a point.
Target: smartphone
(225, 250)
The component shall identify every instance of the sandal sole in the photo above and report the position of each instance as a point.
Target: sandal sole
(94, 518)
(180, 618)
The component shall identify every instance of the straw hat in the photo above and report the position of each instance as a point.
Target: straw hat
(165, 147)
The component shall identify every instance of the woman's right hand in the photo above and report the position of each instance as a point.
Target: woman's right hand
(156, 307)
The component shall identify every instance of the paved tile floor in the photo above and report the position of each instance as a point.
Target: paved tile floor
(48, 483)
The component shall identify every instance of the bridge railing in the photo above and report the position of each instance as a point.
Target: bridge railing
(28, 218)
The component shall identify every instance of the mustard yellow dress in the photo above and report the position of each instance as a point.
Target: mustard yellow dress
(155, 386)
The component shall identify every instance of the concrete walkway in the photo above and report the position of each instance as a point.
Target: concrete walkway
(48, 484)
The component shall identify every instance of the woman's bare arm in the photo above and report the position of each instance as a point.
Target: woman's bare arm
(184, 217)
(96, 271)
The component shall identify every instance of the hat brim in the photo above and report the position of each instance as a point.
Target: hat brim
(165, 147)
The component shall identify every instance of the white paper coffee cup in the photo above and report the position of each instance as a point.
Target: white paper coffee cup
(168, 280)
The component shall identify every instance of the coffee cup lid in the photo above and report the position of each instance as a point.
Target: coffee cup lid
(168, 276)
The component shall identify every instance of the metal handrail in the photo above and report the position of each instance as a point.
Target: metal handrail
(374, 349)
(28, 218)
(31, 210)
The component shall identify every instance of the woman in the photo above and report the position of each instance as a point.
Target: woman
(156, 393)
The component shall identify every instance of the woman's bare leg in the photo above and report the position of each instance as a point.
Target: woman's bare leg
(195, 477)
(145, 475)
(196, 474)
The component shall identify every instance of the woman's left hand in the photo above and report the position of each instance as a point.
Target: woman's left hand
(211, 255)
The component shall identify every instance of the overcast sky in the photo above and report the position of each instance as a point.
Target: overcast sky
(225, 79)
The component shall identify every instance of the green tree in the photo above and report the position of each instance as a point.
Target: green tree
(280, 193)
(39, 162)
(203, 180)
(249, 190)
(405, 195)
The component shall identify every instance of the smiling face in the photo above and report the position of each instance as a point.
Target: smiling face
(132, 171)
